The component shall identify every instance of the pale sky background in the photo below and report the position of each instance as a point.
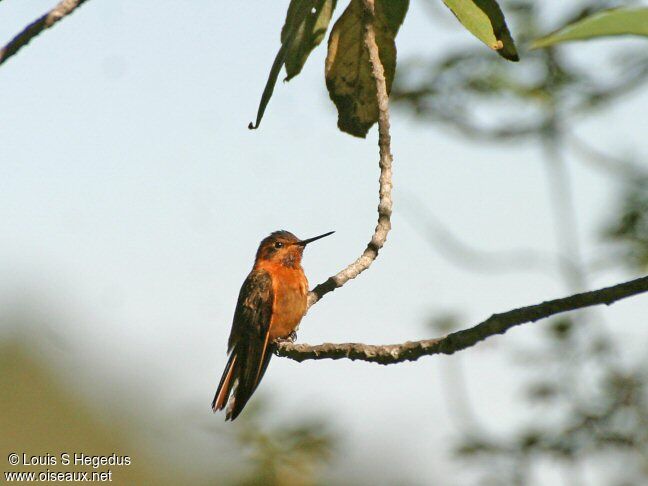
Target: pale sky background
(133, 197)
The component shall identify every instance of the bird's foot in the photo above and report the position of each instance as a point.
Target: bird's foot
(290, 338)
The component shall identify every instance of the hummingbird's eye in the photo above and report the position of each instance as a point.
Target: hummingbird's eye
(278, 244)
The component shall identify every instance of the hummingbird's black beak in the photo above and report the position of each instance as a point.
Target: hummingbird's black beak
(310, 240)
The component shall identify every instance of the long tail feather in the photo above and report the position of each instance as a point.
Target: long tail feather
(244, 370)
(225, 385)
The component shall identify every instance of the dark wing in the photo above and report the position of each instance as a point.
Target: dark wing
(253, 309)
(248, 344)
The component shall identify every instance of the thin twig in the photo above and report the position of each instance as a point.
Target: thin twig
(384, 143)
(562, 203)
(613, 165)
(61, 10)
(456, 341)
(468, 257)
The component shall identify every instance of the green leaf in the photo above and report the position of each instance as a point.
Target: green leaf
(304, 28)
(348, 71)
(308, 35)
(485, 20)
(620, 21)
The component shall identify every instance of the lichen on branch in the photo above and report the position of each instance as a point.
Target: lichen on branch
(383, 226)
(45, 21)
(466, 338)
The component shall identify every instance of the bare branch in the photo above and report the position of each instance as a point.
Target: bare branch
(384, 143)
(456, 341)
(61, 10)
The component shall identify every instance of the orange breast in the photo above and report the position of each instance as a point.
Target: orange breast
(290, 289)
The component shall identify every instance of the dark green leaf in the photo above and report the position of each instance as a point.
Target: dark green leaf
(308, 34)
(305, 26)
(485, 20)
(348, 71)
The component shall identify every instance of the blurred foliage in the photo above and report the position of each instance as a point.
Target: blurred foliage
(630, 229)
(620, 21)
(288, 454)
(497, 101)
(43, 410)
(590, 407)
(604, 420)
(40, 414)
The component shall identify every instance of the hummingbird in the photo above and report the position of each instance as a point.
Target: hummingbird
(270, 306)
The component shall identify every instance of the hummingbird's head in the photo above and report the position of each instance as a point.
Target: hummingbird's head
(284, 248)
